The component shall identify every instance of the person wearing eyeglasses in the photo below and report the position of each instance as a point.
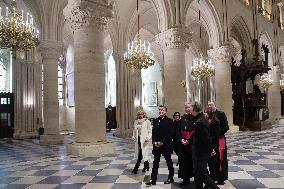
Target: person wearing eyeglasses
(142, 134)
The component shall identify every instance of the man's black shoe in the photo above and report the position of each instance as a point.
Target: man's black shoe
(221, 182)
(169, 181)
(150, 183)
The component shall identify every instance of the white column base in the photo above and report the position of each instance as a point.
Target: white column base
(91, 149)
(51, 139)
(234, 128)
(281, 121)
(25, 135)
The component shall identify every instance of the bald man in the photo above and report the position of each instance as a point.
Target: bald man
(224, 127)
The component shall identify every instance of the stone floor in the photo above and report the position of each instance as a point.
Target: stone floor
(256, 160)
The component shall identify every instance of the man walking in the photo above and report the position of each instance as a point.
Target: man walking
(162, 139)
(201, 148)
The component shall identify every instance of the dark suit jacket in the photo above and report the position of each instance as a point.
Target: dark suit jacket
(163, 131)
(214, 128)
(224, 127)
(201, 141)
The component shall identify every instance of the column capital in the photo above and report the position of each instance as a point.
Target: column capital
(174, 38)
(83, 13)
(220, 54)
(50, 49)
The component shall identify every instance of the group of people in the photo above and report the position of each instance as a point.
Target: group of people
(197, 137)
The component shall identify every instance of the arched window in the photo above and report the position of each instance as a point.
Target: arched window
(5, 70)
(60, 81)
(110, 79)
(2, 77)
(60, 85)
(265, 8)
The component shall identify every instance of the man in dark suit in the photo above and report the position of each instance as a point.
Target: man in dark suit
(202, 148)
(162, 139)
(224, 127)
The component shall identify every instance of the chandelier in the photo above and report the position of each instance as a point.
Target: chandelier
(282, 83)
(202, 67)
(138, 55)
(17, 31)
(265, 81)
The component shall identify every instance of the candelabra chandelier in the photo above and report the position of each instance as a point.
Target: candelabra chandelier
(265, 81)
(17, 32)
(282, 83)
(202, 67)
(138, 55)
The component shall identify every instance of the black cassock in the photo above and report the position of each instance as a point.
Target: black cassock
(213, 162)
(185, 171)
(223, 161)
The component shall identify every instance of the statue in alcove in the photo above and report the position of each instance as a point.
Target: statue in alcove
(266, 51)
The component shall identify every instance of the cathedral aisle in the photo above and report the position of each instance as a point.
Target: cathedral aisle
(256, 160)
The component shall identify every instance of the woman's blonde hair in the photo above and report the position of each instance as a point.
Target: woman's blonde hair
(141, 112)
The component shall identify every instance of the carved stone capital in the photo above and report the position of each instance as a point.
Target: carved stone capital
(174, 38)
(50, 49)
(83, 13)
(220, 54)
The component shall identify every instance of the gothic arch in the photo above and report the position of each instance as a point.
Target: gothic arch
(239, 31)
(265, 38)
(209, 20)
(162, 14)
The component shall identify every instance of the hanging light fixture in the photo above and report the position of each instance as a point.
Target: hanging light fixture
(138, 55)
(282, 83)
(202, 67)
(17, 31)
(265, 81)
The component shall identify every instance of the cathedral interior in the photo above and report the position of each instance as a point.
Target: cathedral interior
(70, 86)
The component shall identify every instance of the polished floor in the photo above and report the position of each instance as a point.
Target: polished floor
(256, 161)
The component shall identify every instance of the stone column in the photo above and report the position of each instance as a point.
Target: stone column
(174, 41)
(274, 97)
(50, 51)
(221, 57)
(88, 19)
(26, 127)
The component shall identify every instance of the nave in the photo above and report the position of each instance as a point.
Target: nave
(256, 161)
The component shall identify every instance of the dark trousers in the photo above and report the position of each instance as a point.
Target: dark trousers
(156, 162)
(146, 163)
(185, 171)
(214, 165)
(201, 176)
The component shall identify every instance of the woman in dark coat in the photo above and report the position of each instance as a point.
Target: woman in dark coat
(177, 127)
(214, 131)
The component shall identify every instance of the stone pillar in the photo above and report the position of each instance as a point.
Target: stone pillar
(221, 57)
(274, 97)
(174, 41)
(50, 51)
(88, 20)
(26, 126)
